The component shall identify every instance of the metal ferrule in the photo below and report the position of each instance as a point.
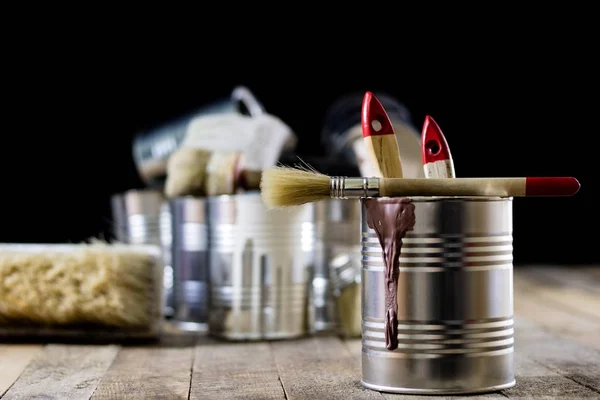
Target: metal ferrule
(341, 187)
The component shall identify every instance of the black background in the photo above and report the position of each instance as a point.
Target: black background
(524, 105)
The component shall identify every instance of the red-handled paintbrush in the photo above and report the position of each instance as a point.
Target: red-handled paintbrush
(380, 139)
(281, 186)
(437, 160)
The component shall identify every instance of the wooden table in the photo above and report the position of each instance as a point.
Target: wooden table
(557, 356)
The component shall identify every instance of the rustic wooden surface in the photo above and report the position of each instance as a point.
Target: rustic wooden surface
(557, 356)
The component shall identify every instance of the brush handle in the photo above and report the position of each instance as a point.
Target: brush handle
(250, 180)
(439, 169)
(384, 156)
(380, 140)
(511, 187)
(437, 160)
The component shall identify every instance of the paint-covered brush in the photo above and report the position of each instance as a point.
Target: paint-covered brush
(284, 186)
(380, 139)
(437, 159)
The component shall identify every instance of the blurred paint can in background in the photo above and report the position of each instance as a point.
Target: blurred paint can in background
(260, 262)
(189, 251)
(141, 217)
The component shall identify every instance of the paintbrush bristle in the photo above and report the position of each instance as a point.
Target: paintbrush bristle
(286, 186)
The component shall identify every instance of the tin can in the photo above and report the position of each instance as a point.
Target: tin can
(190, 263)
(335, 298)
(136, 215)
(260, 261)
(455, 301)
(141, 217)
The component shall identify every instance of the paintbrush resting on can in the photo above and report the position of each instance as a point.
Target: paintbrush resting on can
(285, 186)
(437, 159)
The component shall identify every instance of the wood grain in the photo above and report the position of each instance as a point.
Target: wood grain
(235, 371)
(13, 361)
(63, 372)
(148, 373)
(319, 368)
(560, 292)
(570, 359)
(535, 380)
(556, 319)
(384, 155)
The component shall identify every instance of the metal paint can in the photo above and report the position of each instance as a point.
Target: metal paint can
(189, 251)
(455, 301)
(141, 217)
(260, 261)
(335, 298)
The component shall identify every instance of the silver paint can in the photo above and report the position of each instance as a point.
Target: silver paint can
(334, 289)
(141, 217)
(136, 215)
(189, 252)
(260, 262)
(455, 301)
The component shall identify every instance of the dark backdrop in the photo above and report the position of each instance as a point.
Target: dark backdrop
(518, 109)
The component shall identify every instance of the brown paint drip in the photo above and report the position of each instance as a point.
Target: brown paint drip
(390, 218)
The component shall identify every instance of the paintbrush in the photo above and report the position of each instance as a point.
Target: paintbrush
(285, 186)
(380, 140)
(81, 287)
(199, 172)
(437, 160)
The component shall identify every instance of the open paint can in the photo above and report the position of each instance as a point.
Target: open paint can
(260, 261)
(452, 328)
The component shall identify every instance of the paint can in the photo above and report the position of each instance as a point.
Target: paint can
(260, 261)
(335, 285)
(455, 301)
(189, 252)
(141, 217)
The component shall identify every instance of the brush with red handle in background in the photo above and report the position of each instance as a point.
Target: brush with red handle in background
(380, 139)
(437, 159)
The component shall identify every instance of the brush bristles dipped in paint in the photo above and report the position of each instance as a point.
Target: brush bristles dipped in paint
(380, 139)
(285, 186)
(437, 159)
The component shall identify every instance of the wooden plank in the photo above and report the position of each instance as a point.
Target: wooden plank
(560, 293)
(572, 360)
(555, 318)
(235, 371)
(63, 372)
(319, 368)
(14, 358)
(355, 349)
(586, 278)
(536, 381)
(148, 373)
